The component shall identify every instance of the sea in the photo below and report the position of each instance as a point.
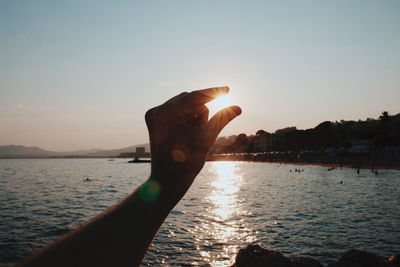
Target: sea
(312, 212)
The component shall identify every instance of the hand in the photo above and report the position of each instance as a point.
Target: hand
(181, 136)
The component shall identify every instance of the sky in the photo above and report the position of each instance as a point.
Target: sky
(81, 74)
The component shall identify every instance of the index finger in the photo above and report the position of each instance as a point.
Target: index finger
(206, 95)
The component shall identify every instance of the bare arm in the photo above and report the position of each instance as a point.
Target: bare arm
(180, 138)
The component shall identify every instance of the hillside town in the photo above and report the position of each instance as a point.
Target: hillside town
(370, 143)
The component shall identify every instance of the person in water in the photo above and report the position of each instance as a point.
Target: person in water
(180, 137)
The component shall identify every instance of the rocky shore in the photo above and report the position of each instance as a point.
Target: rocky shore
(256, 256)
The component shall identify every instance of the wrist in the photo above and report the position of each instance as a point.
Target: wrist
(167, 186)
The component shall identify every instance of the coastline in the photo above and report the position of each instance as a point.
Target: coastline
(365, 166)
(327, 165)
(353, 161)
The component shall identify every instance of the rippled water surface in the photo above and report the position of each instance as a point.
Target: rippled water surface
(315, 213)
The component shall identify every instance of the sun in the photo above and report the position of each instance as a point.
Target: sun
(219, 103)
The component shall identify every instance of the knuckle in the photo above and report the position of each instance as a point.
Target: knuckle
(177, 98)
(181, 96)
(156, 114)
(149, 115)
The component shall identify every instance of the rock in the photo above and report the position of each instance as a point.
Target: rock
(256, 256)
(306, 262)
(394, 260)
(359, 258)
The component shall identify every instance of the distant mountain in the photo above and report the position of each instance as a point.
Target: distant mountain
(13, 151)
(115, 152)
(16, 151)
(80, 152)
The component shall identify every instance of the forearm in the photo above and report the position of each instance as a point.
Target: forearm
(119, 236)
(180, 137)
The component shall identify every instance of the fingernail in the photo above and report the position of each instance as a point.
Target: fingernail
(224, 89)
(237, 110)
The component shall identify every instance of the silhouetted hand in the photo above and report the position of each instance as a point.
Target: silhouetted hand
(181, 136)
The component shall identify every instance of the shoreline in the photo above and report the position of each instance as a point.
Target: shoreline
(335, 165)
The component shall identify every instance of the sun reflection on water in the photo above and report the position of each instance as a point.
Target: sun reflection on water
(223, 196)
(225, 230)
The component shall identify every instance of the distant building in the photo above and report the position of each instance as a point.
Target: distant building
(263, 141)
(140, 149)
(362, 145)
(225, 141)
(286, 130)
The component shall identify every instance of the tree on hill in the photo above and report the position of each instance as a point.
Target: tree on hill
(241, 143)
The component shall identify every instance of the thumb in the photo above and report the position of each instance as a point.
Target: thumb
(221, 119)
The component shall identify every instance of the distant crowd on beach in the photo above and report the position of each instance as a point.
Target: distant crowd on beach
(373, 161)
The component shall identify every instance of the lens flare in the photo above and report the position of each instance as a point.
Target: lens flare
(150, 191)
(180, 153)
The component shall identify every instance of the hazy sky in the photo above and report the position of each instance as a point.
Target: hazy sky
(81, 74)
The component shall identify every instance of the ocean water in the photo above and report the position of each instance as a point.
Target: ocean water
(317, 213)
